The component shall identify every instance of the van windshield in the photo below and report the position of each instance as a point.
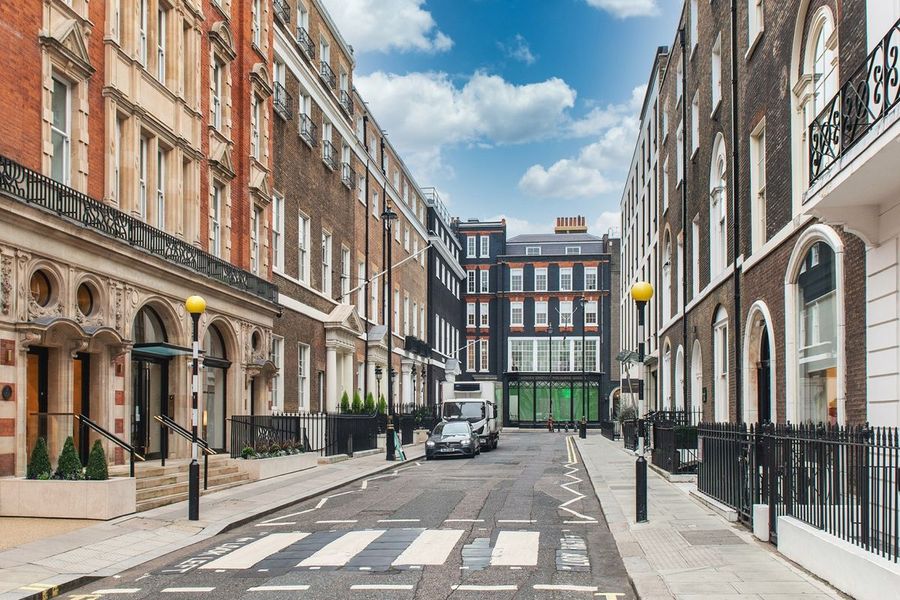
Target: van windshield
(471, 411)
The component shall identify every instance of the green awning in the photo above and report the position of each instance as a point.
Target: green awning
(160, 350)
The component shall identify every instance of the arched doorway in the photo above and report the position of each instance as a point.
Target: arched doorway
(696, 398)
(149, 382)
(679, 378)
(667, 377)
(759, 366)
(763, 379)
(215, 387)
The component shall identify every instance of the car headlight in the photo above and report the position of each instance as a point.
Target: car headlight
(430, 443)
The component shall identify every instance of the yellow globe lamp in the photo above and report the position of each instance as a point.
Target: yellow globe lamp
(641, 291)
(195, 305)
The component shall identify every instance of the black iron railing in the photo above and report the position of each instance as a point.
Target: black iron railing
(842, 480)
(167, 423)
(35, 189)
(327, 74)
(674, 447)
(308, 129)
(866, 97)
(611, 430)
(346, 102)
(306, 44)
(679, 417)
(282, 11)
(319, 433)
(282, 101)
(348, 175)
(84, 425)
(630, 434)
(328, 154)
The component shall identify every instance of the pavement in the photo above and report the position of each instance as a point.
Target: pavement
(520, 521)
(686, 551)
(49, 566)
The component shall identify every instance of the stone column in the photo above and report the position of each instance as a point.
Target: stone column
(331, 391)
(348, 374)
(406, 382)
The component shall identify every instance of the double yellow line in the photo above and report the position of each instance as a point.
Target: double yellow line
(570, 449)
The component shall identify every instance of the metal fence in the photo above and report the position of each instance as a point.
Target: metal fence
(674, 447)
(630, 434)
(611, 430)
(321, 433)
(842, 480)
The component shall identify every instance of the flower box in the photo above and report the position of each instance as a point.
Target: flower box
(264, 468)
(54, 498)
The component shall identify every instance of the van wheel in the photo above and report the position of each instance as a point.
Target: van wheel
(494, 444)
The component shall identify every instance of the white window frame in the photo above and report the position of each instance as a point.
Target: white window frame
(516, 280)
(470, 314)
(254, 126)
(218, 74)
(302, 377)
(470, 356)
(143, 24)
(160, 187)
(256, 24)
(484, 314)
(345, 274)
(485, 246)
(590, 272)
(540, 273)
(565, 273)
(665, 185)
(303, 240)
(541, 309)
(716, 74)
(143, 173)
(566, 312)
(278, 379)
(485, 356)
(694, 34)
(471, 282)
(590, 312)
(215, 214)
(573, 250)
(471, 246)
(255, 236)
(327, 249)
(65, 134)
(720, 366)
(162, 15)
(485, 287)
(758, 185)
(517, 307)
(532, 250)
(695, 123)
(695, 256)
(755, 22)
(679, 153)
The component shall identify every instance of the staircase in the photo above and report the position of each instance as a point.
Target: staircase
(159, 486)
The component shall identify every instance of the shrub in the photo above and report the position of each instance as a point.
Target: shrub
(345, 403)
(96, 468)
(247, 453)
(626, 413)
(382, 406)
(39, 465)
(357, 407)
(369, 404)
(69, 466)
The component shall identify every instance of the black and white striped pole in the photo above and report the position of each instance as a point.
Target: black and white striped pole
(195, 306)
(641, 292)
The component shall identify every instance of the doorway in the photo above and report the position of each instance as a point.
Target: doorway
(149, 384)
(36, 397)
(764, 379)
(81, 402)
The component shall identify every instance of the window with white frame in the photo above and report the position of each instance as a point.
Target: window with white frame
(143, 26)
(720, 365)
(61, 132)
(302, 377)
(695, 123)
(716, 73)
(470, 314)
(664, 126)
(277, 232)
(471, 243)
(540, 313)
(143, 168)
(542, 355)
(758, 186)
(565, 279)
(302, 17)
(256, 24)
(824, 77)
(516, 314)
(471, 282)
(665, 185)
(162, 16)
(326, 263)
(374, 315)
(565, 313)
(679, 77)
(679, 153)
(254, 126)
(485, 246)
(666, 296)
(415, 319)
(515, 280)
(397, 232)
(470, 357)
(590, 278)
(345, 274)
(521, 355)
(485, 314)
(215, 220)
(755, 20)
(396, 311)
(255, 237)
(694, 36)
(406, 237)
(278, 378)
(718, 194)
(485, 356)
(540, 279)
(679, 266)
(485, 281)
(218, 76)
(361, 283)
(573, 249)
(532, 250)
(590, 312)
(406, 323)
(695, 257)
(303, 240)
(161, 155)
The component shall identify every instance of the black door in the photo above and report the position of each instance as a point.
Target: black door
(150, 385)
(763, 380)
(81, 403)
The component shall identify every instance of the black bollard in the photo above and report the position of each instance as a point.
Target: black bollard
(582, 430)
(640, 489)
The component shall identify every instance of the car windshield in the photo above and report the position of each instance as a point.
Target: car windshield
(452, 428)
(471, 411)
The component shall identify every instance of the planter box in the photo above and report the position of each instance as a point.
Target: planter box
(264, 468)
(101, 500)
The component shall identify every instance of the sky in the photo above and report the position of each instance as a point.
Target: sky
(521, 109)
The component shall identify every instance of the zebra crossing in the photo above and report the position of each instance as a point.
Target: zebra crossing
(374, 550)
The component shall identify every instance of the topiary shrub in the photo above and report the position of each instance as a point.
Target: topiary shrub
(369, 404)
(382, 406)
(69, 466)
(39, 465)
(96, 468)
(345, 403)
(357, 407)
(247, 453)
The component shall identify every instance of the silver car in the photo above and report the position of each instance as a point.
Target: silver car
(452, 438)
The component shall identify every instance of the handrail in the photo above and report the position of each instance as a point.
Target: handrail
(91, 424)
(166, 421)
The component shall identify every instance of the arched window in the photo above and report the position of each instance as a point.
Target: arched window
(821, 62)
(720, 365)
(148, 327)
(215, 367)
(667, 279)
(718, 197)
(679, 379)
(667, 377)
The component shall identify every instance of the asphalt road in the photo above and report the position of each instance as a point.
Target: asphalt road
(517, 522)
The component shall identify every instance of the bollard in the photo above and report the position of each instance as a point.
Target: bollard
(582, 430)
(640, 489)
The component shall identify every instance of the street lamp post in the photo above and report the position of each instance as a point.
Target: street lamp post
(550, 378)
(388, 217)
(195, 306)
(641, 292)
(582, 433)
(377, 383)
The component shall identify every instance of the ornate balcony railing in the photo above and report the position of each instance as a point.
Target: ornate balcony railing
(306, 44)
(347, 102)
(866, 97)
(283, 102)
(348, 175)
(328, 154)
(327, 74)
(307, 129)
(282, 11)
(32, 188)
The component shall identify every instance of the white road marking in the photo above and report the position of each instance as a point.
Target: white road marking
(380, 586)
(516, 548)
(279, 588)
(340, 551)
(528, 521)
(187, 590)
(432, 547)
(117, 591)
(336, 521)
(485, 588)
(398, 520)
(254, 552)
(276, 524)
(463, 520)
(587, 522)
(565, 588)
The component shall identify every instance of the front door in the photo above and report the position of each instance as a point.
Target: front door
(763, 380)
(36, 397)
(150, 385)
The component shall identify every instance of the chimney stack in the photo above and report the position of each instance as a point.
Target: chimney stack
(571, 225)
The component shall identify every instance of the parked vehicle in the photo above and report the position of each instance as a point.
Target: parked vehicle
(452, 438)
(473, 401)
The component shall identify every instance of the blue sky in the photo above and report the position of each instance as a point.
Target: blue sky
(525, 109)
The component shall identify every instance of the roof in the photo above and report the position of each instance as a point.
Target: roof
(549, 238)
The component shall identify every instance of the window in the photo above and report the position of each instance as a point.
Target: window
(485, 246)
(485, 281)
(573, 249)
(142, 32)
(471, 242)
(590, 355)
(345, 274)
(590, 278)
(665, 124)
(665, 186)
(215, 215)
(406, 323)
(303, 248)
(255, 225)
(565, 279)
(396, 311)
(118, 160)
(470, 314)
(256, 24)
(718, 237)
(278, 379)
(679, 77)
(516, 314)
(217, 75)
(720, 359)
(397, 230)
(590, 312)
(758, 186)
(161, 188)
(540, 279)
(515, 280)
(521, 355)
(565, 313)
(254, 127)
(326, 263)
(695, 123)
(470, 357)
(694, 36)
(471, 282)
(375, 212)
(485, 356)
(485, 311)
(302, 16)
(61, 132)
(716, 73)
(532, 250)
(162, 16)
(679, 153)
(695, 257)
(361, 188)
(142, 192)
(561, 355)
(327, 147)
(823, 66)
(406, 237)
(540, 313)
(302, 376)
(679, 264)
(755, 20)
(666, 297)
(542, 352)
(361, 281)
(373, 309)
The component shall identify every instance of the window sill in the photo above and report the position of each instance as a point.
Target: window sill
(754, 43)
(715, 108)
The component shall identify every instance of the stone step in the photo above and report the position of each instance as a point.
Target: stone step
(154, 469)
(181, 487)
(181, 496)
(181, 475)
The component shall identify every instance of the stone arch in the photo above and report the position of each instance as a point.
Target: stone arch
(721, 336)
(666, 375)
(175, 330)
(758, 335)
(696, 398)
(679, 379)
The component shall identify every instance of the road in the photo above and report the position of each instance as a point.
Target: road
(517, 522)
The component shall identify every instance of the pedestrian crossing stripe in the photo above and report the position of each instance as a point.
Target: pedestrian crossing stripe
(247, 556)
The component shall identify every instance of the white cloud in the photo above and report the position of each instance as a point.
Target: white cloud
(383, 25)
(627, 8)
(607, 221)
(517, 226)
(601, 118)
(425, 112)
(518, 49)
